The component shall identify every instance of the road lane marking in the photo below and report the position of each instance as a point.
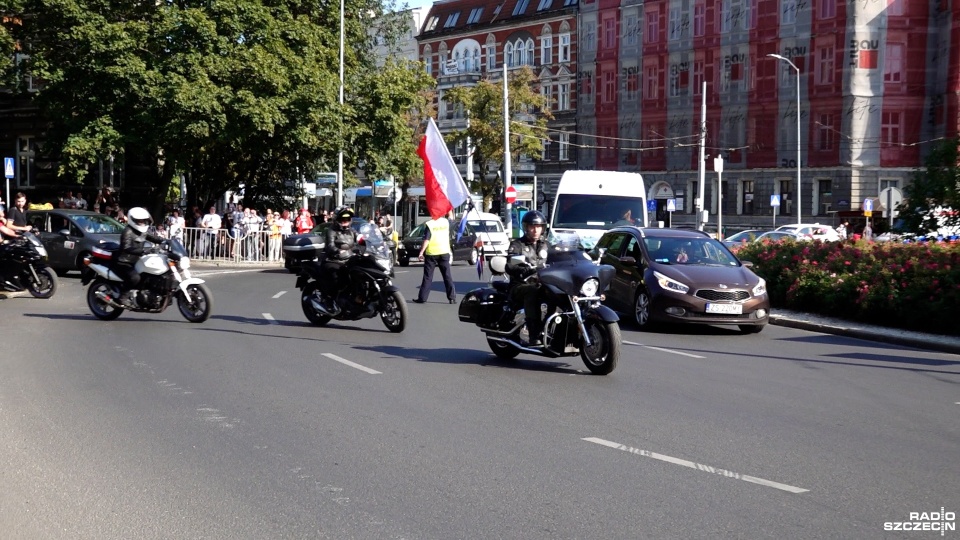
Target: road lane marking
(696, 466)
(279, 294)
(269, 318)
(671, 351)
(354, 365)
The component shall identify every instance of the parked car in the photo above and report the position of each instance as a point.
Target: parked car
(815, 231)
(70, 235)
(742, 237)
(466, 249)
(679, 276)
(309, 246)
(490, 231)
(776, 236)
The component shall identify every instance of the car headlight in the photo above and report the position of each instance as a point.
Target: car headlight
(184, 262)
(590, 287)
(670, 284)
(761, 288)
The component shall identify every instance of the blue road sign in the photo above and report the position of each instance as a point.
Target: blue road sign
(671, 205)
(652, 205)
(8, 167)
(868, 205)
(774, 200)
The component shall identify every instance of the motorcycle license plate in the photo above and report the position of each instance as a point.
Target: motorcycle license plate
(725, 309)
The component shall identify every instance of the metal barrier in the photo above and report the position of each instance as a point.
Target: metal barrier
(220, 245)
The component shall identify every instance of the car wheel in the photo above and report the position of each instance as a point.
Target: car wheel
(474, 256)
(404, 261)
(641, 309)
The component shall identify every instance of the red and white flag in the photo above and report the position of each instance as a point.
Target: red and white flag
(443, 186)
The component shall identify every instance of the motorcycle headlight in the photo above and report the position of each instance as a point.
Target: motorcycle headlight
(670, 284)
(590, 287)
(42, 251)
(184, 262)
(761, 288)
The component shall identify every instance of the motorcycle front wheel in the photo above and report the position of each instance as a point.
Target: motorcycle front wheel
(197, 304)
(604, 351)
(312, 292)
(45, 285)
(100, 308)
(394, 313)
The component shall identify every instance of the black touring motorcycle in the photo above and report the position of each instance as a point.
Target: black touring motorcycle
(574, 321)
(364, 289)
(23, 266)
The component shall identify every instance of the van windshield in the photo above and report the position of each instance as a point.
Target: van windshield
(577, 211)
(485, 226)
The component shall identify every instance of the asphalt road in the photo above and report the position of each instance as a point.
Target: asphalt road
(257, 425)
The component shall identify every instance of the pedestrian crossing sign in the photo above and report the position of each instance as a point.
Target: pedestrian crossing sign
(8, 167)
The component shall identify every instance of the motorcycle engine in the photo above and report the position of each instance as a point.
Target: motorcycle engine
(151, 293)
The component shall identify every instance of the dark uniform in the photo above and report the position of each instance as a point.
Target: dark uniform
(339, 241)
(534, 257)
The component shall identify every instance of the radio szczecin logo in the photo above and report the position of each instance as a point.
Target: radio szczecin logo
(925, 521)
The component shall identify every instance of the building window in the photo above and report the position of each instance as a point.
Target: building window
(546, 50)
(788, 12)
(675, 26)
(630, 29)
(828, 9)
(564, 146)
(546, 90)
(508, 54)
(586, 83)
(651, 77)
(610, 86)
(428, 60)
(699, 19)
(545, 151)
(26, 153)
(568, 3)
(890, 128)
(610, 32)
(746, 191)
(564, 46)
(521, 7)
(451, 20)
(633, 82)
(697, 77)
(893, 63)
(475, 15)
(589, 35)
(431, 24)
(544, 4)
(563, 96)
(652, 17)
(826, 133)
(825, 65)
(491, 57)
(725, 17)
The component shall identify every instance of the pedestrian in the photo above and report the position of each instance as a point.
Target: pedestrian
(272, 225)
(436, 252)
(868, 232)
(303, 223)
(842, 230)
(176, 225)
(16, 217)
(211, 225)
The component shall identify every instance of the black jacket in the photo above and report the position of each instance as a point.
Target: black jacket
(131, 244)
(534, 256)
(339, 242)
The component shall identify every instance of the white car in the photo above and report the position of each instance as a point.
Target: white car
(814, 231)
(490, 231)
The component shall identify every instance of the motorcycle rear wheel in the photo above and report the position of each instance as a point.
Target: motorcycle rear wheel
(394, 314)
(202, 305)
(504, 351)
(602, 355)
(47, 284)
(99, 308)
(310, 292)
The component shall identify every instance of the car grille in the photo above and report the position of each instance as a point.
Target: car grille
(728, 296)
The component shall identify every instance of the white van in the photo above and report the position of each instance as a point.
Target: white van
(588, 203)
(490, 231)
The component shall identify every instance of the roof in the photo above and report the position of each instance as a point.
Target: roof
(447, 16)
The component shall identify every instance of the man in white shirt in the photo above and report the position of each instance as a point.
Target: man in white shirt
(211, 225)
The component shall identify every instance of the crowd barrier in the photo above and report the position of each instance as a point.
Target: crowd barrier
(221, 245)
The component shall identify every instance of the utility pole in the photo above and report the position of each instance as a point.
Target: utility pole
(507, 222)
(703, 157)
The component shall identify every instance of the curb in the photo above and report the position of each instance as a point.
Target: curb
(928, 342)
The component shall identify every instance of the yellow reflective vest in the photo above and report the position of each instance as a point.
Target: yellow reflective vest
(439, 243)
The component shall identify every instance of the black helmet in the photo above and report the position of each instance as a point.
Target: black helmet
(534, 217)
(344, 213)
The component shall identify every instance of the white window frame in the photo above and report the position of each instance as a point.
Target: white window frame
(546, 50)
(564, 146)
(563, 48)
(788, 12)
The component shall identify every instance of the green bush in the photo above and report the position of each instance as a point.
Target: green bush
(913, 286)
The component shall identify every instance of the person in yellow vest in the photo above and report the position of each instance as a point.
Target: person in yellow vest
(436, 252)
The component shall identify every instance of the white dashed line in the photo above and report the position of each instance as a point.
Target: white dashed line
(279, 294)
(696, 466)
(671, 351)
(269, 318)
(354, 365)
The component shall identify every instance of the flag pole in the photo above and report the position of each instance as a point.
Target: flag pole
(508, 222)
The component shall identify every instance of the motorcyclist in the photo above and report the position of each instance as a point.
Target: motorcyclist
(339, 242)
(131, 249)
(532, 246)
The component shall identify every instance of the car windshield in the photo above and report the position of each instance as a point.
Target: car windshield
(689, 251)
(576, 211)
(98, 224)
(485, 226)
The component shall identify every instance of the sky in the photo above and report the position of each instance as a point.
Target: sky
(419, 3)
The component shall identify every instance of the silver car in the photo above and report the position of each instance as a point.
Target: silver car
(69, 235)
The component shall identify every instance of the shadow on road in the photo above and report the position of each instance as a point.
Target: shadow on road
(479, 357)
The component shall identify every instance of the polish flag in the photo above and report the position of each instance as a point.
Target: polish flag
(443, 185)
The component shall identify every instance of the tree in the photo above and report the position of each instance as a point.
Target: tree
(933, 190)
(483, 104)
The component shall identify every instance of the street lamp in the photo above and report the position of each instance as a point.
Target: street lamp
(340, 154)
(799, 186)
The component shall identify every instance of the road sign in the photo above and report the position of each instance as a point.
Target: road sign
(774, 200)
(652, 205)
(868, 205)
(890, 198)
(671, 205)
(510, 194)
(8, 167)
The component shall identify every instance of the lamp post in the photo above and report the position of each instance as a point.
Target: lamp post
(799, 186)
(340, 154)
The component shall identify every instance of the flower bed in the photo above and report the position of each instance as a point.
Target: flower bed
(913, 286)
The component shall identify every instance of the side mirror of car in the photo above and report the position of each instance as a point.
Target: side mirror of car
(748, 264)
(64, 232)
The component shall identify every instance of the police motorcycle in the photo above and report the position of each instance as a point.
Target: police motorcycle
(164, 275)
(574, 320)
(364, 288)
(23, 266)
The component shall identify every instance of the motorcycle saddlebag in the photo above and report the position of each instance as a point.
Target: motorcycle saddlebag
(482, 307)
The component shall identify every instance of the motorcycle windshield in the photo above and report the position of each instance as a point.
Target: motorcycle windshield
(177, 251)
(567, 271)
(373, 240)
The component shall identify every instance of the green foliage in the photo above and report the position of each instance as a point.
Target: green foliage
(484, 105)
(914, 286)
(936, 186)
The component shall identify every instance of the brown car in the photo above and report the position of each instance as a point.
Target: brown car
(682, 276)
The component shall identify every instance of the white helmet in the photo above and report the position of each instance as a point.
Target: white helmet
(139, 218)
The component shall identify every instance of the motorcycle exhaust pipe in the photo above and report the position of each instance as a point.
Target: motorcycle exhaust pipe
(517, 345)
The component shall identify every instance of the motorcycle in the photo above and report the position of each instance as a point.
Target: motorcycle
(574, 320)
(164, 274)
(23, 266)
(364, 287)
